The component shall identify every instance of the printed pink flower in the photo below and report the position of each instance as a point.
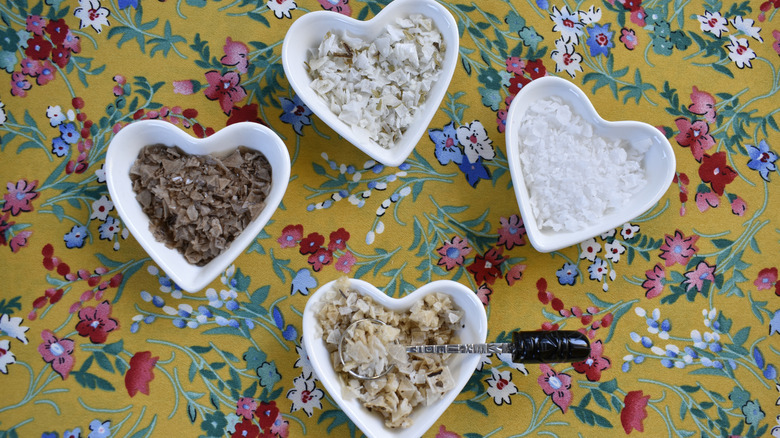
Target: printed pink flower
(19, 85)
(515, 274)
(246, 407)
(694, 135)
(696, 278)
(776, 44)
(226, 89)
(19, 196)
(511, 232)
(291, 235)
(183, 87)
(72, 42)
(280, 428)
(483, 293)
(705, 200)
(444, 433)
(96, 322)
(556, 385)
(716, 172)
(594, 364)
(4, 226)
(320, 258)
(703, 104)
(678, 248)
(767, 278)
(340, 6)
(634, 411)
(638, 17)
(31, 67)
(453, 252)
(19, 241)
(515, 65)
(487, 268)
(738, 205)
(140, 373)
(57, 352)
(628, 38)
(654, 284)
(345, 262)
(35, 24)
(338, 240)
(47, 73)
(235, 55)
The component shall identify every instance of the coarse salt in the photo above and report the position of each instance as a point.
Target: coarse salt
(377, 87)
(574, 176)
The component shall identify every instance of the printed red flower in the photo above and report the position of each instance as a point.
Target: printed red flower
(515, 274)
(654, 284)
(246, 407)
(312, 243)
(57, 31)
(266, 414)
(19, 241)
(246, 113)
(511, 232)
(488, 268)
(60, 56)
(767, 278)
(338, 240)
(246, 429)
(703, 104)
(19, 196)
(694, 135)
(38, 48)
(556, 385)
(4, 226)
(340, 6)
(226, 89)
(516, 83)
(678, 248)
(140, 373)
(632, 5)
(535, 69)
(594, 364)
(57, 352)
(19, 85)
(453, 252)
(634, 411)
(291, 235)
(715, 171)
(96, 322)
(345, 262)
(320, 258)
(235, 55)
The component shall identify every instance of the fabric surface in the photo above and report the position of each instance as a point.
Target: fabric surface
(682, 304)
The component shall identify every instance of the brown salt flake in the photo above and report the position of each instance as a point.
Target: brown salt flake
(199, 204)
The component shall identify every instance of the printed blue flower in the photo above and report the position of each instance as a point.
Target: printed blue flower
(542, 4)
(290, 333)
(474, 171)
(447, 146)
(124, 4)
(69, 133)
(567, 274)
(762, 159)
(59, 147)
(75, 237)
(758, 357)
(99, 429)
(774, 324)
(600, 40)
(278, 318)
(303, 282)
(295, 113)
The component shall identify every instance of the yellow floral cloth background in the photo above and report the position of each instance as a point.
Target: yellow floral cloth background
(682, 304)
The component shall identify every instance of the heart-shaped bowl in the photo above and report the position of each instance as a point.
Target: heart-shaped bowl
(122, 153)
(462, 366)
(658, 162)
(308, 31)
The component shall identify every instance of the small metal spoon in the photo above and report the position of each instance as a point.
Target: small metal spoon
(526, 347)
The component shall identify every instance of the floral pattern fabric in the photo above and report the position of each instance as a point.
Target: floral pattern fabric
(681, 304)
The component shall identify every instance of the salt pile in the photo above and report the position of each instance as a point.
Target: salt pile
(377, 87)
(573, 176)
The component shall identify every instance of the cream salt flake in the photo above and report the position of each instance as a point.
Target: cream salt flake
(574, 176)
(377, 87)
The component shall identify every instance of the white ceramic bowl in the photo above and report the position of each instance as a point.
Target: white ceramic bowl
(122, 153)
(658, 162)
(308, 31)
(461, 366)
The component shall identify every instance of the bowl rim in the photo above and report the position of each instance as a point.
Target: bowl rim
(122, 151)
(324, 372)
(307, 25)
(562, 239)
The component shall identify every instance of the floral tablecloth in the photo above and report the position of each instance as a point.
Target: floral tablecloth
(682, 304)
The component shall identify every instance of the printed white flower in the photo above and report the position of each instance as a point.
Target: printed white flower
(740, 51)
(92, 14)
(305, 395)
(608, 234)
(11, 326)
(614, 250)
(55, 115)
(100, 174)
(303, 361)
(745, 25)
(282, 8)
(484, 359)
(713, 23)
(506, 358)
(213, 298)
(598, 269)
(475, 142)
(500, 387)
(101, 207)
(589, 249)
(629, 231)
(6, 357)
(109, 228)
(566, 59)
(567, 23)
(697, 339)
(3, 117)
(593, 15)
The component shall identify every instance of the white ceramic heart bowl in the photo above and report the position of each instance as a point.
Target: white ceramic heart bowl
(658, 162)
(122, 153)
(308, 31)
(461, 366)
